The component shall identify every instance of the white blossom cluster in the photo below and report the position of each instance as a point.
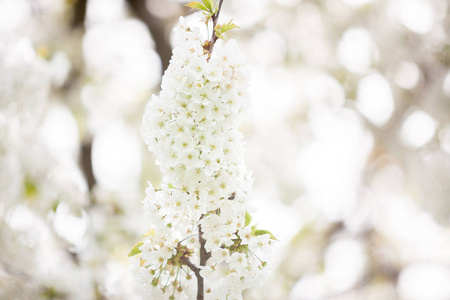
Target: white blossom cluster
(26, 81)
(192, 128)
(33, 224)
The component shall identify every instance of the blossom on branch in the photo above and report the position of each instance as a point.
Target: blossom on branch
(201, 225)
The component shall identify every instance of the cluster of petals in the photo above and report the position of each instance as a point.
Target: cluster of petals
(192, 128)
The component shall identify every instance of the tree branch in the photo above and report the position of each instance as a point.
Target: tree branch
(79, 13)
(185, 260)
(204, 256)
(214, 18)
(86, 162)
(200, 287)
(157, 29)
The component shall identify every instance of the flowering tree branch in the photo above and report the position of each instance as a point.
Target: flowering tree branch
(192, 127)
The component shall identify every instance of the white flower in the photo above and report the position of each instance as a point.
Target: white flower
(215, 72)
(245, 234)
(197, 66)
(206, 271)
(183, 143)
(219, 255)
(211, 164)
(260, 244)
(234, 284)
(237, 261)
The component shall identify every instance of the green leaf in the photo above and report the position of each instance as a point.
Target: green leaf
(170, 186)
(209, 5)
(135, 250)
(208, 17)
(228, 26)
(221, 29)
(248, 218)
(261, 232)
(197, 5)
(218, 31)
(151, 232)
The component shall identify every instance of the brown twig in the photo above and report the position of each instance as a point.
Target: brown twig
(200, 286)
(204, 256)
(214, 18)
(185, 260)
(86, 162)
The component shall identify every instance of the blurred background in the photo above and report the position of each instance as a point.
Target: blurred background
(348, 138)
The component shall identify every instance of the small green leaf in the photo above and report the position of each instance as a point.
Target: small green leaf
(209, 5)
(197, 5)
(135, 250)
(151, 232)
(208, 17)
(221, 29)
(228, 26)
(218, 31)
(248, 218)
(170, 186)
(261, 232)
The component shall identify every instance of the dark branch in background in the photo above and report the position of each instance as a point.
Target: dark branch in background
(86, 162)
(79, 13)
(214, 18)
(157, 27)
